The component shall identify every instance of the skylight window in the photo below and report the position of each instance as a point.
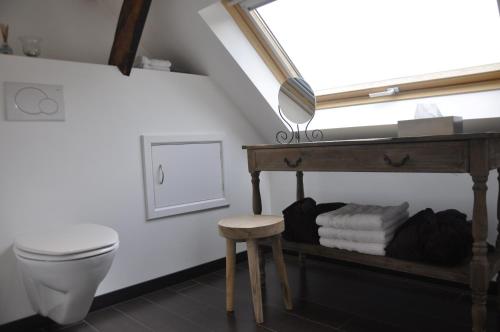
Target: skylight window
(347, 49)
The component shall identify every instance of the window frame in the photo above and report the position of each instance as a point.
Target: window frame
(465, 80)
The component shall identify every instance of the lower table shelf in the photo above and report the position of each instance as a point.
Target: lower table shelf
(459, 273)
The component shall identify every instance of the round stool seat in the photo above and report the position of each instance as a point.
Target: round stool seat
(251, 227)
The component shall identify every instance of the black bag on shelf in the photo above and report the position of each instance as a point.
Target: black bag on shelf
(443, 238)
(300, 220)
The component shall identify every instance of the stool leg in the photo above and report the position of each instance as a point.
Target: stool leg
(230, 266)
(280, 266)
(253, 266)
(262, 267)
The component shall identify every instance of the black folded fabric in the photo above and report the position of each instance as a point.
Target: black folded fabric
(443, 238)
(300, 220)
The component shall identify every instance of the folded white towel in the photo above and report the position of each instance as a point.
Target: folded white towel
(380, 236)
(365, 248)
(363, 217)
(157, 64)
(156, 68)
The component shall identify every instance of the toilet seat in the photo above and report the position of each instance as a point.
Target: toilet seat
(69, 242)
(63, 258)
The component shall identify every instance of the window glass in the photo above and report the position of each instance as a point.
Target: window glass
(336, 43)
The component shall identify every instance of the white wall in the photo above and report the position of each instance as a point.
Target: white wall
(88, 168)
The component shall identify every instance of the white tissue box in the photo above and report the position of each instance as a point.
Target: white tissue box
(447, 125)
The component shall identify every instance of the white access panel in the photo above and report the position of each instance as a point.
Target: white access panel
(183, 174)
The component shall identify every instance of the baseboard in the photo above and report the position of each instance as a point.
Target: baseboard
(106, 300)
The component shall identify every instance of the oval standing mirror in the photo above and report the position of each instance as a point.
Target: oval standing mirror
(297, 100)
(297, 104)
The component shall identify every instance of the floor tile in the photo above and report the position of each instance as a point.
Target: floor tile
(206, 295)
(321, 314)
(218, 320)
(182, 285)
(279, 320)
(174, 302)
(366, 325)
(111, 320)
(156, 317)
(80, 327)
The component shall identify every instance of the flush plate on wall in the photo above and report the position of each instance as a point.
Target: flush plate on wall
(33, 102)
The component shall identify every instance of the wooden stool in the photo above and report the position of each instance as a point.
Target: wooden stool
(250, 229)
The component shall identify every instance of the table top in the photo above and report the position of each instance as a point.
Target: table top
(387, 140)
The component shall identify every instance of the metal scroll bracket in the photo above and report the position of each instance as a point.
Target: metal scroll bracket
(282, 137)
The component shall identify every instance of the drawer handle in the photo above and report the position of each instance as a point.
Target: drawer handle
(389, 162)
(293, 165)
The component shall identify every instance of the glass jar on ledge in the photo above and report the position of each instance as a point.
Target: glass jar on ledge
(32, 45)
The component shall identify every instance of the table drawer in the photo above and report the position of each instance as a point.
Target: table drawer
(401, 157)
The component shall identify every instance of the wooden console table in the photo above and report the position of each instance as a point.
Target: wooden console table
(475, 154)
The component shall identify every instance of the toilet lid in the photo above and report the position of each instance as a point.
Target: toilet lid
(67, 240)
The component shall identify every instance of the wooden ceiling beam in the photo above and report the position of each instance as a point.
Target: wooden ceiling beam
(128, 34)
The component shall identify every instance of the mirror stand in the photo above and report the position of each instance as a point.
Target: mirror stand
(282, 136)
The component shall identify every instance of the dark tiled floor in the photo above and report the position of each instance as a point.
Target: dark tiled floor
(327, 297)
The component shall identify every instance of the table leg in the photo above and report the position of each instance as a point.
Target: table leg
(479, 265)
(300, 195)
(230, 266)
(300, 185)
(257, 209)
(256, 200)
(479, 269)
(497, 244)
(498, 301)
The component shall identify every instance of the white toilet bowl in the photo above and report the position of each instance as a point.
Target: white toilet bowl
(62, 268)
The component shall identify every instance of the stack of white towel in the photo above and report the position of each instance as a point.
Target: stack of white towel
(362, 228)
(154, 64)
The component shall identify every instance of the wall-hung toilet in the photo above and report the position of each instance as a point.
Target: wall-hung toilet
(62, 267)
